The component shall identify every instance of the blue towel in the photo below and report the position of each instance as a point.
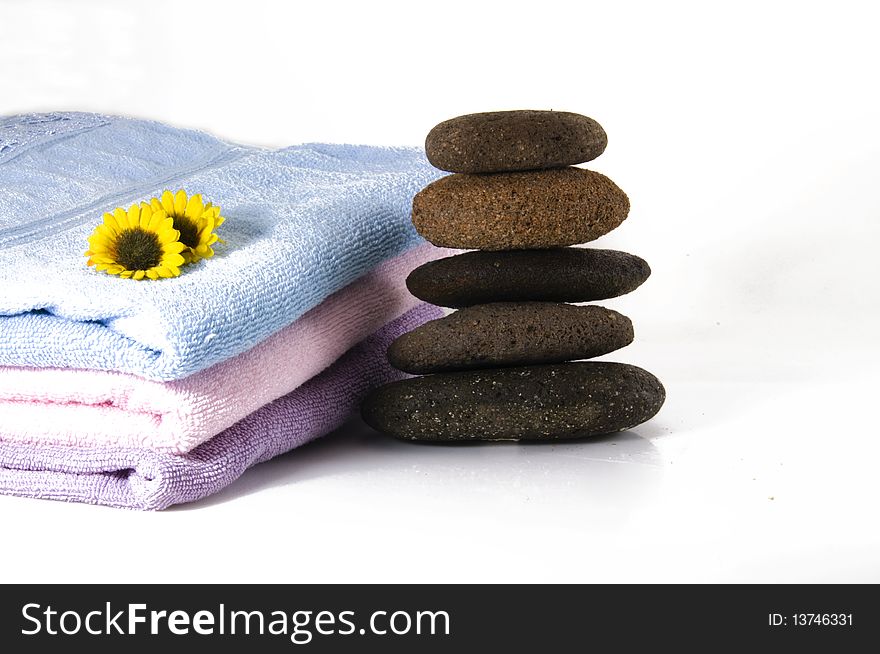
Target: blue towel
(301, 223)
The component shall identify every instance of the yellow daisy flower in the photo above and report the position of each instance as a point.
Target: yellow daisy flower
(194, 219)
(135, 244)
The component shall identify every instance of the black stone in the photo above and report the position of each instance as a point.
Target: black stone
(503, 141)
(557, 275)
(510, 334)
(549, 402)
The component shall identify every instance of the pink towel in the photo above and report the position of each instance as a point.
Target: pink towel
(89, 408)
(143, 479)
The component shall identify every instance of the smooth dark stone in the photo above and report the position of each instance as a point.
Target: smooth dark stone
(549, 402)
(510, 334)
(555, 275)
(505, 141)
(515, 211)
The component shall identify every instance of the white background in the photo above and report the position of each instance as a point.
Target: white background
(748, 140)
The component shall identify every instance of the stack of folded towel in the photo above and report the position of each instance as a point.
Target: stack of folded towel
(144, 394)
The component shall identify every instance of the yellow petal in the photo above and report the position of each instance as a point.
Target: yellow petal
(180, 202)
(172, 260)
(168, 202)
(101, 237)
(146, 217)
(139, 274)
(156, 219)
(111, 223)
(126, 274)
(152, 274)
(98, 248)
(167, 235)
(166, 232)
(134, 215)
(100, 241)
(174, 247)
(121, 218)
(194, 206)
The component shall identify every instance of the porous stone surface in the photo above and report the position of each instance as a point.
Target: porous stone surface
(512, 211)
(504, 141)
(556, 275)
(510, 334)
(547, 402)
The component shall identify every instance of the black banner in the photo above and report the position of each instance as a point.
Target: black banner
(436, 618)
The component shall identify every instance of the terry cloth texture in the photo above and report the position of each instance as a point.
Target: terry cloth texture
(91, 408)
(301, 223)
(144, 479)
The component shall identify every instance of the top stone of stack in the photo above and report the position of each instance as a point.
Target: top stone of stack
(510, 141)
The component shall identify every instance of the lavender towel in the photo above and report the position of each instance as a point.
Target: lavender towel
(143, 479)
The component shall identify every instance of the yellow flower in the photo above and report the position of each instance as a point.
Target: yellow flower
(194, 219)
(136, 243)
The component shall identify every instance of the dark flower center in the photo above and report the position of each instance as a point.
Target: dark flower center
(189, 231)
(138, 249)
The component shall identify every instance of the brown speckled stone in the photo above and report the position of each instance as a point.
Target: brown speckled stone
(554, 275)
(505, 141)
(510, 334)
(567, 400)
(513, 211)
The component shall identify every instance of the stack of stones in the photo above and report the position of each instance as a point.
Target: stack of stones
(507, 365)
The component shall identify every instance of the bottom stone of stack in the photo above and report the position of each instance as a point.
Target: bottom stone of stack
(543, 402)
